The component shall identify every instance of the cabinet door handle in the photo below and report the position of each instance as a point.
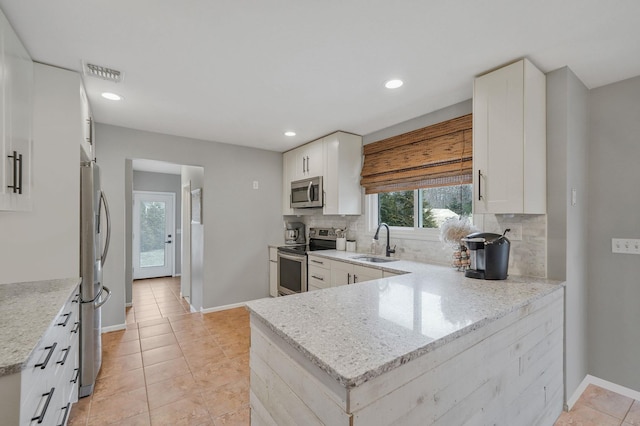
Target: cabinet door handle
(317, 278)
(76, 328)
(355, 278)
(40, 418)
(479, 180)
(348, 278)
(308, 169)
(66, 413)
(17, 172)
(76, 374)
(304, 164)
(66, 354)
(64, 323)
(90, 123)
(51, 348)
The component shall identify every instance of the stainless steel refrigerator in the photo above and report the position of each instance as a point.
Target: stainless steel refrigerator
(92, 256)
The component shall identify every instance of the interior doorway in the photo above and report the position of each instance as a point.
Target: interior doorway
(154, 235)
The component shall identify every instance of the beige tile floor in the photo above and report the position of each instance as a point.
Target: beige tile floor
(171, 367)
(601, 407)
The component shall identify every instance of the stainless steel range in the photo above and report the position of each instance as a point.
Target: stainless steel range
(292, 260)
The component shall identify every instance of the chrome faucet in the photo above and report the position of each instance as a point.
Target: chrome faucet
(375, 237)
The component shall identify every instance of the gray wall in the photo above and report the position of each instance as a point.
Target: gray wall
(163, 182)
(567, 146)
(239, 222)
(614, 212)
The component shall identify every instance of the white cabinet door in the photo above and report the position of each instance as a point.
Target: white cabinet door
(16, 115)
(273, 272)
(342, 166)
(509, 154)
(87, 143)
(313, 159)
(341, 273)
(363, 273)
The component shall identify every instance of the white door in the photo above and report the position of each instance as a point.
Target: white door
(153, 234)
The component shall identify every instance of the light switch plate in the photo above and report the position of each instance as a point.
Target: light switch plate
(625, 245)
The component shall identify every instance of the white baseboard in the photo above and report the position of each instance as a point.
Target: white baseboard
(224, 307)
(114, 328)
(592, 380)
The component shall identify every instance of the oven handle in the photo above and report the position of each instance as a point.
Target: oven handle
(294, 257)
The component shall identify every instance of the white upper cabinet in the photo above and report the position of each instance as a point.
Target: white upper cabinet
(343, 163)
(308, 161)
(338, 159)
(87, 143)
(509, 140)
(16, 117)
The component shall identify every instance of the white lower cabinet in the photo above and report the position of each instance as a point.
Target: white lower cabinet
(48, 383)
(318, 273)
(343, 273)
(273, 272)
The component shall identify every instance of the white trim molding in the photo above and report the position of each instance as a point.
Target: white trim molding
(592, 380)
(223, 307)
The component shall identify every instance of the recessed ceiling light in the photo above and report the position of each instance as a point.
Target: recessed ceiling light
(111, 96)
(393, 84)
(289, 133)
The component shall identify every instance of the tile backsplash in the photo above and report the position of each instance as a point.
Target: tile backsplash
(528, 238)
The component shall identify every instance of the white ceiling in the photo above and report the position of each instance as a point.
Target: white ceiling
(243, 72)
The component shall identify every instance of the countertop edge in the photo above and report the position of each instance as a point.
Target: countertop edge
(18, 366)
(403, 359)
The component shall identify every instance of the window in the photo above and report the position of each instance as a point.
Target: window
(423, 208)
(417, 180)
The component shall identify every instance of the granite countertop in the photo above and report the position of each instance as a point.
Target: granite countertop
(26, 311)
(360, 331)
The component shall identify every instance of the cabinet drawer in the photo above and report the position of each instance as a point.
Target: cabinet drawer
(319, 277)
(319, 262)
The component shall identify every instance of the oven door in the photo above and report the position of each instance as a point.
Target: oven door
(292, 273)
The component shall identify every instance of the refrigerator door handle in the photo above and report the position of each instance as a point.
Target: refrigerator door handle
(103, 200)
(99, 301)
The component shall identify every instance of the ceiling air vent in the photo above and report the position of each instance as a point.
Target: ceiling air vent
(103, 73)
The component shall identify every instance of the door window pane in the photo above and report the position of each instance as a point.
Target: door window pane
(152, 234)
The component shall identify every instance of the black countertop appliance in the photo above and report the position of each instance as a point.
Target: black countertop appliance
(489, 255)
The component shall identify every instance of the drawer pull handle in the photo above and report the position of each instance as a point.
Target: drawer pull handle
(40, 418)
(66, 354)
(66, 320)
(66, 413)
(51, 348)
(317, 261)
(317, 278)
(76, 375)
(76, 299)
(76, 328)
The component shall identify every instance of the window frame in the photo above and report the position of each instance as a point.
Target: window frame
(405, 233)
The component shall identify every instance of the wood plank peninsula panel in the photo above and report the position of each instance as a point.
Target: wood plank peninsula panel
(416, 349)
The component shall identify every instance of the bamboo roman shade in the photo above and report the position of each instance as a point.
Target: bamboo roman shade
(437, 155)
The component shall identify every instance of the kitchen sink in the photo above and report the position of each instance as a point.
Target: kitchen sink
(374, 259)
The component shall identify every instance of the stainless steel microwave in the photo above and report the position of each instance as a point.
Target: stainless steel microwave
(307, 193)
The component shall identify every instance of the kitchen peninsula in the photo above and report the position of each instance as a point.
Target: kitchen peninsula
(429, 347)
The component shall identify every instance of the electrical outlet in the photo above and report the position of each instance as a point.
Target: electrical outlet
(625, 245)
(256, 185)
